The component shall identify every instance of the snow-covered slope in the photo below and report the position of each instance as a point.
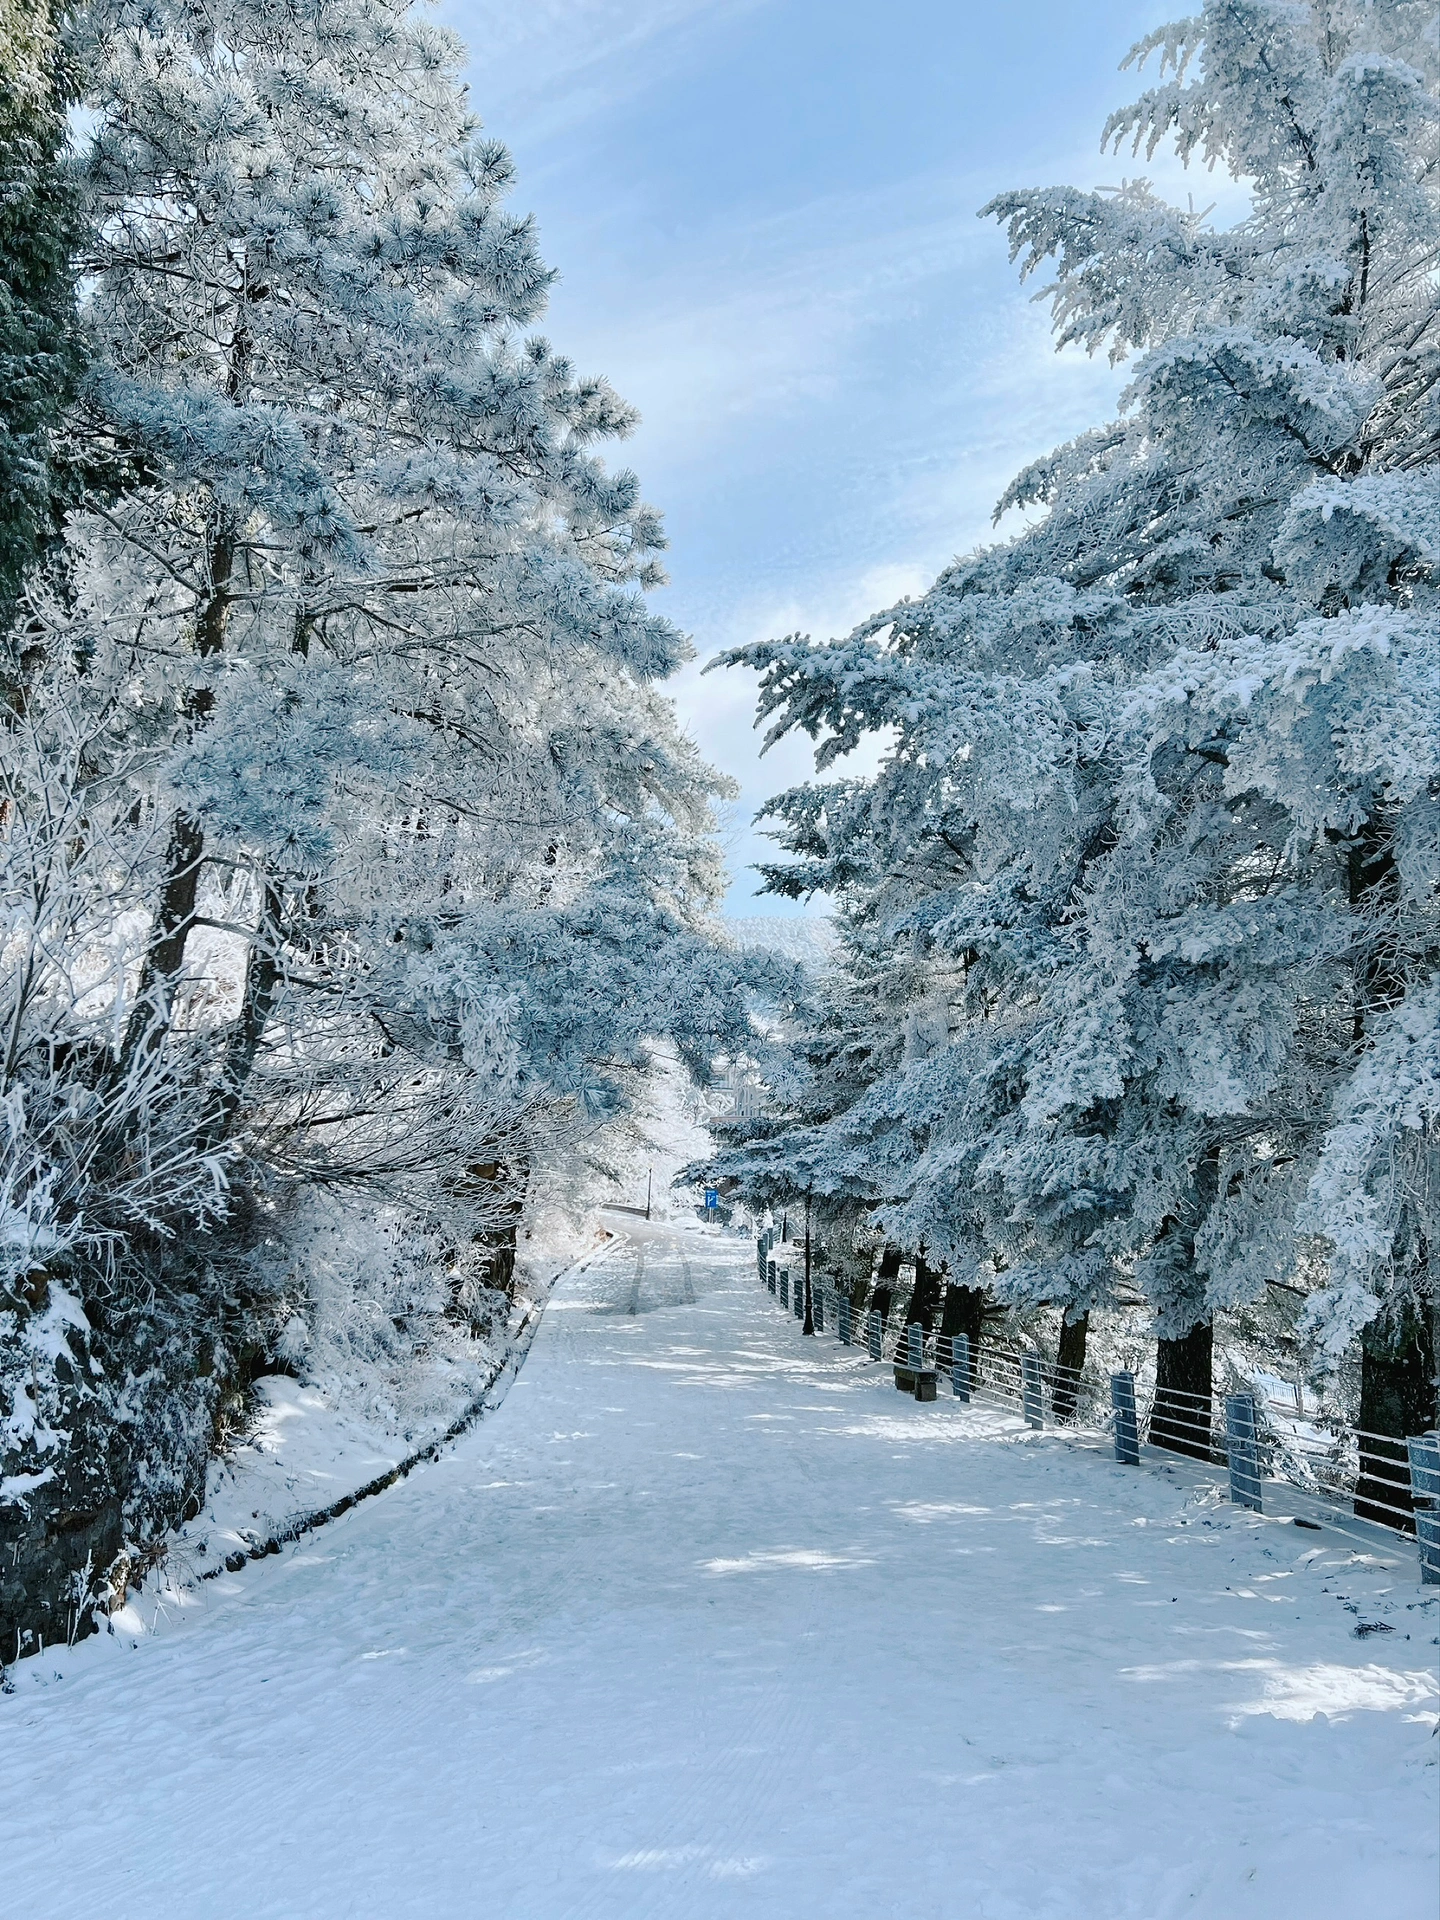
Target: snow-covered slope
(310, 1443)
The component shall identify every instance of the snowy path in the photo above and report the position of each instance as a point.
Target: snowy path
(708, 1621)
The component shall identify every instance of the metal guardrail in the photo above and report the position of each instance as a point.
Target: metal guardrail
(1255, 1437)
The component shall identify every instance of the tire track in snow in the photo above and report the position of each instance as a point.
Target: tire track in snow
(634, 1306)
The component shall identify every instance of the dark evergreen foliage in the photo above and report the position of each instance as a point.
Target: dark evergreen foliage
(40, 223)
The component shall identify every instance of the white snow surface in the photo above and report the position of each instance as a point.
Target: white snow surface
(309, 1442)
(707, 1620)
(302, 1451)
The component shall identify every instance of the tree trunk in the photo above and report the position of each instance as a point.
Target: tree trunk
(175, 912)
(963, 1311)
(503, 1188)
(809, 1325)
(883, 1296)
(1180, 1418)
(1397, 1350)
(1070, 1365)
(1373, 880)
(1397, 1396)
(174, 917)
(926, 1297)
(262, 976)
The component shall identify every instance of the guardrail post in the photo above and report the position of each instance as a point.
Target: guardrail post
(771, 1278)
(1424, 1451)
(784, 1286)
(915, 1346)
(960, 1376)
(797, 1298)
(1032, 1392)
(874, 1332)
(1127, 1424)
(1241, 1451)
(819, 1305)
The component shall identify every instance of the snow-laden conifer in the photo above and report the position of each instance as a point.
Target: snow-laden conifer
(350, 845)
(39, 347)
(1158, 832)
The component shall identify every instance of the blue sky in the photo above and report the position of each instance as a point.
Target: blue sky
(763, 213)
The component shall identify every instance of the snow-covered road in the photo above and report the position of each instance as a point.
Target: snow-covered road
(707, 1621)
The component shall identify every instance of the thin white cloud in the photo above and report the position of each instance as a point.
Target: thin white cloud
(557, 63)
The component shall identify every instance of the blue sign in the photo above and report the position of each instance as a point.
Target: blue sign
(712, 1196)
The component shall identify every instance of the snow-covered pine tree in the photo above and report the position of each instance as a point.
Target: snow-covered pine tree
(353, 847)
(1159, 815)
(819, 1060)
(39, 228)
